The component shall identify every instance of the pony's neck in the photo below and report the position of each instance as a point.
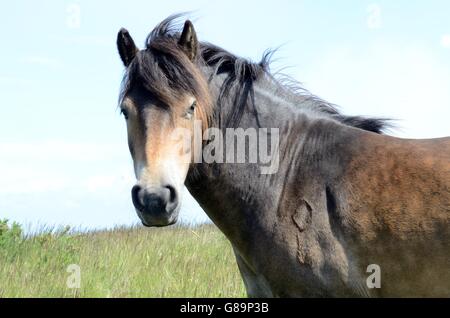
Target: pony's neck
(236, 196)
(263, 103)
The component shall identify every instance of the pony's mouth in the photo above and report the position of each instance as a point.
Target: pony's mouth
(159, 225)
(159, 219)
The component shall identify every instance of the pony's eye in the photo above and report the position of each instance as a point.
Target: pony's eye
(191, 110)
(124, 112)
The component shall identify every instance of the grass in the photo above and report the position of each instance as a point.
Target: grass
(134, 262)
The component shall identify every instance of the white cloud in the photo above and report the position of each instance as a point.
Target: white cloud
(98, 183)
(445, 41)
(56, 165)
(18, 180)
(61, 150)
(405, 83)
(13, 80)
(42, 61)
(374, 16)
(86, 40)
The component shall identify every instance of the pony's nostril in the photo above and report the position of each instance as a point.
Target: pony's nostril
(136, 197)
(172, 194)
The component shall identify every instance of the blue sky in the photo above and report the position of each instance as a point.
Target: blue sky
(63, 153)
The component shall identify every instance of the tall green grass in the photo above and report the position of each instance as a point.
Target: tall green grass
(134, 262)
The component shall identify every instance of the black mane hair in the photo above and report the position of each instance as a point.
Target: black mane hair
(165, 71)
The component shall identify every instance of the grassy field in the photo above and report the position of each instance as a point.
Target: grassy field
(135, 262)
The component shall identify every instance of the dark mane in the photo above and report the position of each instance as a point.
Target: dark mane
(165, 71)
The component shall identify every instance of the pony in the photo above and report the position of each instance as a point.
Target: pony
(346, 211)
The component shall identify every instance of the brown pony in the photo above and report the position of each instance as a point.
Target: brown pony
(344, 210)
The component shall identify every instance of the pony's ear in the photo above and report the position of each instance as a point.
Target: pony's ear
(125, 45)
(188, 40)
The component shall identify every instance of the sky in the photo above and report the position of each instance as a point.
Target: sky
(63, 153)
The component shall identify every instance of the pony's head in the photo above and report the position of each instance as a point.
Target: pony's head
(163, 94)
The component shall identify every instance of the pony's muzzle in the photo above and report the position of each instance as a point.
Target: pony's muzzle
(156, 206)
